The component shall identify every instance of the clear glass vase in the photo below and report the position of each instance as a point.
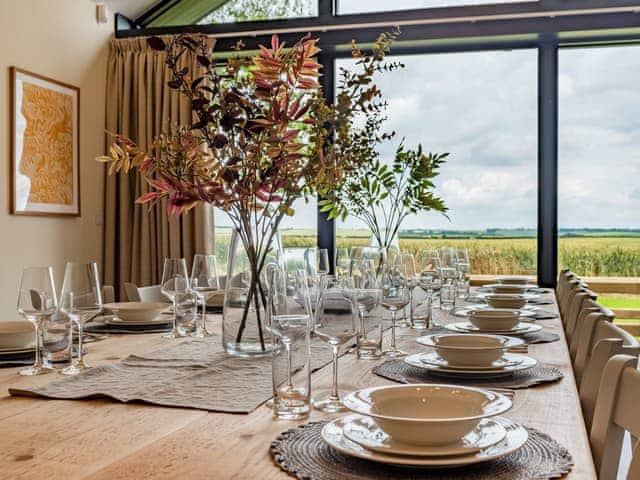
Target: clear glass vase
(245, 329)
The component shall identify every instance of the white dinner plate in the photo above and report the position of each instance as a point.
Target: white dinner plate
(519, 329)
(515, 437)
(466, 311)
(366, 432)
(162, 320)
(525, 362)
(507, 360)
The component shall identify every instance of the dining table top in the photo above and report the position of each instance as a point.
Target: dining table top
(105, 439)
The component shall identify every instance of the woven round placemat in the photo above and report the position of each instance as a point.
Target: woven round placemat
(302, 452)
(399, 371)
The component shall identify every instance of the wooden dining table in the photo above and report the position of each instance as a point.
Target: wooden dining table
(104, 439)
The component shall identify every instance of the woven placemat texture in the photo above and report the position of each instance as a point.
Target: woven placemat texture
(399, 371)
(302, 452)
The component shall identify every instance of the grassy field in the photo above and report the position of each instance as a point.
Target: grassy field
(588, 256)
(620, 301)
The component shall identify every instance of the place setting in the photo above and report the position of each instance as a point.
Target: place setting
(449, 431)
(470, 359)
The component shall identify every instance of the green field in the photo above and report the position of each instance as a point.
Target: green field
(620, 301)
(585, 254)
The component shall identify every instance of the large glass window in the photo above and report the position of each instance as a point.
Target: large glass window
(481, 107)
(251, 10)
(599, 161)
(364, 6)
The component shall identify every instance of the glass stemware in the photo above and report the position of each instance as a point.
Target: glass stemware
(338, 324)
(81, 299)
(395, 296)
(363, 287)
(37, 301)
(290, 317)
(428, 263)
(174, 280)
(205, 283)
(378, 255)
(408, 261)
(322, 261)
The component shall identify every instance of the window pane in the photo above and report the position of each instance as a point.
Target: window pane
(481, 107)
(297, 231)
(249, 10)
(599, 161)
(363, 6)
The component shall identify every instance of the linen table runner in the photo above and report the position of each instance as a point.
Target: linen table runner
(194, 374)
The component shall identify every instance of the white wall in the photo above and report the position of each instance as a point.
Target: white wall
(61, 40)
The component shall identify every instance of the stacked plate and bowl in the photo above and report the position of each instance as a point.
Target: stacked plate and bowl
(137, 315)
(425, 426)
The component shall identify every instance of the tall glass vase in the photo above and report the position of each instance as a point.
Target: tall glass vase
(245, 329)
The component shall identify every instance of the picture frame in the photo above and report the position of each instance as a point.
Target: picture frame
(45, 146)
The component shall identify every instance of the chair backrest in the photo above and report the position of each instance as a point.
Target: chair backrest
(589, 306)
(563, 283)
(152, 294)
(608, 340)
(131, 291)
(586, 343)
(564, 303)
(574, 312)
(616, 412)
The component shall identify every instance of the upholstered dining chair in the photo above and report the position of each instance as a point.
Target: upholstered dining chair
(589, 306)
(564, 277)
(608, 340)
(616, 412)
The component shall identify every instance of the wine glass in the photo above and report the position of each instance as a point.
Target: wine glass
(408, 261)
(363, 287)
(338, 324)
(174, 280)
(428, 263)
(289, 304)
(204, 282)
(37, 301)
(81, 299)
(395, 296)
(378, 255)
(463, 266)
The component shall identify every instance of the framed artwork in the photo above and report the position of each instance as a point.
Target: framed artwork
(45, 146)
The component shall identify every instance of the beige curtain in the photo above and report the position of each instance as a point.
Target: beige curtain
(141, 105)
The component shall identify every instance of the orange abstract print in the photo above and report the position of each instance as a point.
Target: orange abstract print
(47, 153)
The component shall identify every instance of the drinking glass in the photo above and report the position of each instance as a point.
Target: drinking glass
(364, 291)
(395, 296)
(37, 301)
(463, 266)
(290, 323)
(187, 319)
(81, 299)
(174, 280)
(338, 324)
(205, 283)
(408, 261)
(448, 295)
(428, 266)
(301, 258)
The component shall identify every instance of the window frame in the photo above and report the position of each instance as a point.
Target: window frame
(546, 25)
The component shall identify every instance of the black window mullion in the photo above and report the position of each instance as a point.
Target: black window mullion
(548, 161)
(326, 227)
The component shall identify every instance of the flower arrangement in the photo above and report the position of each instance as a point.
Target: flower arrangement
(262, 136)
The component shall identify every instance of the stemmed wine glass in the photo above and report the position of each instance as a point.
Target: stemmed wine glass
(395, 296)
(174, 281)
(204, 282)
(322, 261)
(37, 301)
(408, 261)
(343, 262)
(338, 324)
(363, 287)
(81, 299)
(378, 255)
(429, 278)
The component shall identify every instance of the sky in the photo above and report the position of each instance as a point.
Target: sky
(481, 107)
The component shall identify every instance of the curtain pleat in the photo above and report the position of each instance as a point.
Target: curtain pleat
(140, 105)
